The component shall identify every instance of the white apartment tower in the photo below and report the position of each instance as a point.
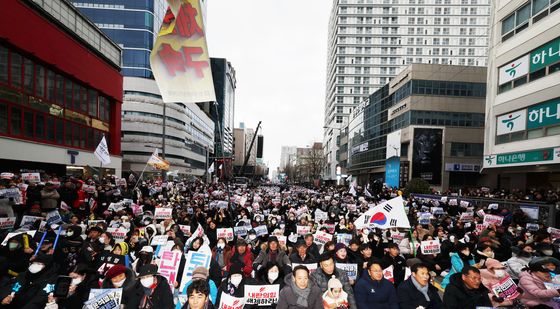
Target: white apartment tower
(370, 41)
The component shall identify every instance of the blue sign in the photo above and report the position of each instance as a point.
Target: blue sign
(392, 171)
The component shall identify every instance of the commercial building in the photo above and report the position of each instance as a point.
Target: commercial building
(428, 123)
(243, 137)
(189, 131)
(370, 42)
(287, 156)
(522, 137)
(60, 90)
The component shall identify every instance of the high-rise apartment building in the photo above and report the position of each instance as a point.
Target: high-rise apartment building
(371, 41)
(189, 131)
(522, 136)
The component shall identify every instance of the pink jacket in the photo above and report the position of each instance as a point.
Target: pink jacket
(535, 291)
(489, 279)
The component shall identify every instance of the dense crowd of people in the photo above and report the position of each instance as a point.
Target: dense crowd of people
(70, 243)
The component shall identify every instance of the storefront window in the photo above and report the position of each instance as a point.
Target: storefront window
(68, 94)
(28, 77)
(16, 61)
(59, 131)
(60, 90)
(50, 86)
(40, 81)
(68, 134)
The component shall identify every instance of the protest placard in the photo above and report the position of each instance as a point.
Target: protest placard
(424, 218)
(464, 204)
(493, 219)
(397, 236)
(351, 269)
(53, 217)
(506, 289)
(192, 261)
(321, 238)
(10, 235)
(7, 223)
(226, 233)
(430, 247)
(321, 215)
(229, 302)
(453, 202)
(480, 213)
(262, 295)
(104, 298)
(186, 229)
(168, 266)
(467, 217)
(344, 238)
(480, 227)
(88, 189)
(330, 227)
(163, 213)
(437, 210)
(532, 227)
(282, 240)
(388, 274)
(34, 177)
(240, 230)
(94, 222)
(159, 240)
(27, 220)
(10, 193)
(554, 233)
(119, 234)
(261, 230)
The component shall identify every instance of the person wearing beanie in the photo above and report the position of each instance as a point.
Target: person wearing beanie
(273, 254)
(234, 284)
(241, 256)
(327, 269)
(120, 248)
(493, 274)
(532, 281)
(157, 293)
(201, 273)
(31, 294)
(393, 258)
(459, 259)
(335, 297)
(119, 276)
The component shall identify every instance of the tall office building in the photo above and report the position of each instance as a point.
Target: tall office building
(522, 136)
(371, 41)
(189, 131)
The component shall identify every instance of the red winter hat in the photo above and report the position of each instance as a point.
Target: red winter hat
(115, 271)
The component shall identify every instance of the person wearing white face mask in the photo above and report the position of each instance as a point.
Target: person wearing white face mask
(221, 254)
(31, 294)
(120, 276)
(234, 285)
(83, 280)
(493, 274)
(156, 289)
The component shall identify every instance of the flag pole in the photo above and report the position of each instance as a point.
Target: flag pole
(140, 177)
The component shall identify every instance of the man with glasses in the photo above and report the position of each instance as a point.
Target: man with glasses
(418, 291)
(465, 290)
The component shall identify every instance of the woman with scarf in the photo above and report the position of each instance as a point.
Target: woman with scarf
(222, 254)
(459, 259)
(299, 292)
(521, 257)
(157, 294)
(234, 285)
(268, 275)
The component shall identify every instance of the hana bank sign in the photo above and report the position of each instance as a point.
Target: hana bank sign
(514, 70)
(512, 122)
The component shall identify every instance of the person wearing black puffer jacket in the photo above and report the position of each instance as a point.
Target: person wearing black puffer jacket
(417, 290)
(83, 280)
(374, 291)
(157, 293)
(465, 291)
(119, 276)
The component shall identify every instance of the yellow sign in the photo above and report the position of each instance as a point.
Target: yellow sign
(180, 60)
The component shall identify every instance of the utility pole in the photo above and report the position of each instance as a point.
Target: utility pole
(242, 172)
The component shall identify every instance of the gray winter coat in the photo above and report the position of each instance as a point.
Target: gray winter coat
(321, 280)
(49, 199)
(288, 299)
(281, 258)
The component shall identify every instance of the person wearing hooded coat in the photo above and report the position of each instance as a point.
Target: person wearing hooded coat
(14, 258)
(458, 295)
(531, 281)
(132, 290)
(83, 280)
(231, 285)
(459, 259)
(157, 294)
(33, 285)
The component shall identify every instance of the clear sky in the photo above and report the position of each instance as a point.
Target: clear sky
(279, 50)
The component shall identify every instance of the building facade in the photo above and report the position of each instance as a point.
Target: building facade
(371, 41)
(522, 137)
(287, 156)
(189, 132)
(242, 143)
(60, 90)
(427, 123)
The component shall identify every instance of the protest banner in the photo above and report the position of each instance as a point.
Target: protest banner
(480, 227)
(282, 240)
(321, 215)
(159, 240)
(330, 227)
(480, 213)
(26, 220)
(7, 223)
(397, 236)
(119, 234)
(303, 230)
(344, 238)
(493, 219)
(53, 217)
(193, 260)
(464, 204)
(506, 289)
(430, 247)
(321, 238)
(453, 202)
(424, 218)
(186, 229)
(467, 217)
(262, 295)
(351, 269)
(104, 298)
(311, 267)
(163, 213)
(437, 210)
(532, 227)
(240, 230)
(261, 230)
(88, 189)
(168, 266)
(554, 233)
(34, 177)
(10, 193)
(388, 274)
(230, 302)
(226, 233)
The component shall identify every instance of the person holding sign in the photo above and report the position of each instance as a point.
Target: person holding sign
(156, 289)
(374, 291)
(327, 271)
(393, 258)
(491, 275)
(459, 259)
(417, 290)
(300, 293)
(234, 285)
(119, 276)
(532, 282)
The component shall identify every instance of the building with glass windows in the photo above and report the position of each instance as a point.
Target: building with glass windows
(189, 131)
(371, 41)
(428, 123)
(60, 90)
(522, 137)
